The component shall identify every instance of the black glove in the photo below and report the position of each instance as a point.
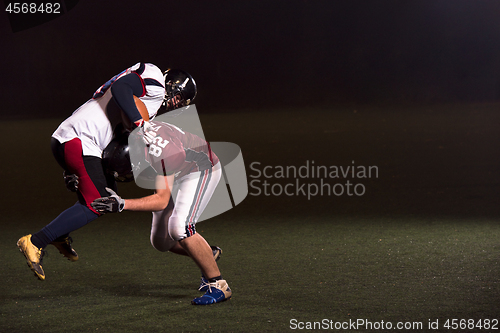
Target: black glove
(71, 181)
(111, 204)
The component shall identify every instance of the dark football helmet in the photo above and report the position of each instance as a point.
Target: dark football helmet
(116, 158)
(180, 89)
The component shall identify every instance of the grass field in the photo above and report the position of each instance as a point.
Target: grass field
(421, 245)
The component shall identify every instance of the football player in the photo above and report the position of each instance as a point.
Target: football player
(187, 170)
(129, 99)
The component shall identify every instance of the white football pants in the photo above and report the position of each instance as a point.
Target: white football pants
(190, 196)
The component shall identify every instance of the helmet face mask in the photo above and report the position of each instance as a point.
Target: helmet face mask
(175, 102)
(180, 89)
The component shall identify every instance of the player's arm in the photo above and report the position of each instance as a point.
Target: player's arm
(126, 92)
(157, 201)
(151, 203)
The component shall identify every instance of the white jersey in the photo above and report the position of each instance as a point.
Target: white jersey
(92, 123)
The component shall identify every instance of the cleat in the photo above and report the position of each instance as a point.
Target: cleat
(33, 256)
(65, 248)
(216, 251)
(217, 292)
(203, 284)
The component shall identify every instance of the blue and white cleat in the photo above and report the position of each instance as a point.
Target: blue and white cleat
(217, 292)
(203, 284)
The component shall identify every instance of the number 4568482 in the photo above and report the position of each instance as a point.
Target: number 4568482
(33, 8)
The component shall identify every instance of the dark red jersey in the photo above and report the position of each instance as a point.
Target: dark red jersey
(174, 151)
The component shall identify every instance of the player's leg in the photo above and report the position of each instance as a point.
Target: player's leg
(63, 243)
(201, 253)
(216, 253)
(92, 183)
(91, 186)
(160, 238)
(162, 241)
(193, 195)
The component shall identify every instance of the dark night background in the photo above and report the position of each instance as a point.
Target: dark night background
(412, 87)
(254, 54)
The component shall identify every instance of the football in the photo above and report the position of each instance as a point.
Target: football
(127, 123)
(142, 108)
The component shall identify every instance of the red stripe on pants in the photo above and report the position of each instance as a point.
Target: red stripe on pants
(73, 156)
(198, 198)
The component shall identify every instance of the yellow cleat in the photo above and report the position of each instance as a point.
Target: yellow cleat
(33, 255)
(65, 248)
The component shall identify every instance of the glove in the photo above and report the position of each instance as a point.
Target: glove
(145, 126)
(71, 181)
(148, 133)
(111, 204)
